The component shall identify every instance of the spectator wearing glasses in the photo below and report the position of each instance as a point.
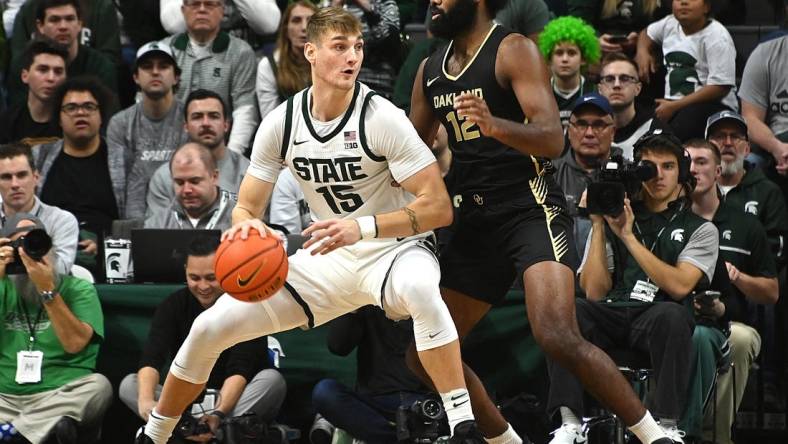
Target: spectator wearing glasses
(568, 44)
(700, 58)
(212, 59)
(241, 18)
(61, 21)
(591, 131)
(619, 83)
(744, 186)
(81, 173)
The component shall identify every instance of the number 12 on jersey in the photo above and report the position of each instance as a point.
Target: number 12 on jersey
(462, 127)
(333, 194)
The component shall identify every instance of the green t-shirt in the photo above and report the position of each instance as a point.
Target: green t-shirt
(58, 367)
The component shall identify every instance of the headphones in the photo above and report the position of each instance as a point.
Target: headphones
(657, 137)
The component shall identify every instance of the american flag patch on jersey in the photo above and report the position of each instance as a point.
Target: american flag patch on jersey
(350, 136)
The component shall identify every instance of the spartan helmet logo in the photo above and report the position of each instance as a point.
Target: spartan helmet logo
(751, 207)
(677, 235)
(113, 262)
(726, 234)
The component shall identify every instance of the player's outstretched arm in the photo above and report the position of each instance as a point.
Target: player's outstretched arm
(253, 197)
(520, 66)
(420, 112)
(431, 209)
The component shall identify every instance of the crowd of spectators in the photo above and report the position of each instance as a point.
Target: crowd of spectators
(106, 117)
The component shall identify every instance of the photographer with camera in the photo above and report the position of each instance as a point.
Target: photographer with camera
(751, 270)
(643, 258)
(49, 342)
(242, 377)
(591, 132)
(387, 400)
(18, 180)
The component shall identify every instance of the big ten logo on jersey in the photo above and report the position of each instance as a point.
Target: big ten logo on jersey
(340, 198)
(351, 142)
(463, 129)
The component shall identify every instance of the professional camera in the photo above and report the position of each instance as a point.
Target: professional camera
(190, 426)
(421, 422)
(36, 243)
(616, 179)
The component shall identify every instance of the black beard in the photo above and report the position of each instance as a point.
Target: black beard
(455, 21)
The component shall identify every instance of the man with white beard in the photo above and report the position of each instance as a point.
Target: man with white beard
(743, 185)
(50, 335)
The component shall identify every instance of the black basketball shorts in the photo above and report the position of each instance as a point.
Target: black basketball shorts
(490, 245)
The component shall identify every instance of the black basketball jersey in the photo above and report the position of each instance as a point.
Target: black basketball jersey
(483, 164)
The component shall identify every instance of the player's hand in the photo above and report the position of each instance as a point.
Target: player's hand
(665, 109)
(6, 254)
(241, 230)
(475, 110)
(145, 407)
(39, 272)
(331, 234)
(733, 273)
(621, 225)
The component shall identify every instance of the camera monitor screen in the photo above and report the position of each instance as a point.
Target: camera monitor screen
(159, 254)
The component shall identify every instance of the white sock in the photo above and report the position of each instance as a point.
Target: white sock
(507, 437)
(647, 430)
(160, 427)
(569, 417)
(457, 404)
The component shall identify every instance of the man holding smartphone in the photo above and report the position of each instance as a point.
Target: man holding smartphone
(752, 273)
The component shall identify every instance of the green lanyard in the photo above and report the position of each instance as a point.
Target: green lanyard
(31, 327)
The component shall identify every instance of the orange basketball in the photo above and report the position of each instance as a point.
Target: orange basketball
(253, 269)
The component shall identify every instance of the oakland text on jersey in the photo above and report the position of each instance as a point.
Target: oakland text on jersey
(448, 99)
(341, 169)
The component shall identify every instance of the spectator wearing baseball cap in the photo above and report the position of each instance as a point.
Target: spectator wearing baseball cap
(744, 186)
(590, 132)
(149, 131)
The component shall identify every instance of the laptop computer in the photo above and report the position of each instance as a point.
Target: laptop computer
(159, 254)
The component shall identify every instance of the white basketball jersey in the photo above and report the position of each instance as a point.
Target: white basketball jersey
(346, 167)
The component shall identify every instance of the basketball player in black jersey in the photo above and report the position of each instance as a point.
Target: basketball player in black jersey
(489, 88)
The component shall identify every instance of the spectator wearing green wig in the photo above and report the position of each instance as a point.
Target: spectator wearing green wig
(568, 44)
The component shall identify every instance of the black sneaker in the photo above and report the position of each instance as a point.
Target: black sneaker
(664, 441)
(142, 438)
(467, 433)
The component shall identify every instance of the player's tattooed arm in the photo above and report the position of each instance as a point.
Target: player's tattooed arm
(414, 222)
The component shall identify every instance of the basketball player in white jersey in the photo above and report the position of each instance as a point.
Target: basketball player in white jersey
(375, 192)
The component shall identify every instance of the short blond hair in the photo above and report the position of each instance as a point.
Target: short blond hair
(330, 19)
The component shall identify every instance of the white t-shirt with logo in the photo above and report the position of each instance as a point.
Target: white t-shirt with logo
(707, 57)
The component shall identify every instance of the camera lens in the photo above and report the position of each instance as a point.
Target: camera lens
(431, 409)
(37, 243)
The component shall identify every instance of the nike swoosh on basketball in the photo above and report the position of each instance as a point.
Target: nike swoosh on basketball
(244, 282)
(431, 81)
(296, 142)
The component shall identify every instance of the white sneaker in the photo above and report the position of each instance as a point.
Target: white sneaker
(674, 433)
(569, 434)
